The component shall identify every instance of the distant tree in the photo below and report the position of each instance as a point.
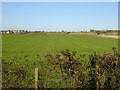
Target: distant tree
(67, 32)
(63, 31)
(98, 32)
(92, 30)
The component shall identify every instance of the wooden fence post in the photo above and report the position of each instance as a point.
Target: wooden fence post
(36, 78)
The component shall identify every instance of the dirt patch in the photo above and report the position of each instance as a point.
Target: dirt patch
(80, 33)
(88, 33)
(109, 36)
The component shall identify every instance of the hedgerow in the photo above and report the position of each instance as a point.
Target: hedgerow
(67, 69)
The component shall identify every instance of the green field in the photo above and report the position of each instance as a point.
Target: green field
(16, 47)
(32, 45)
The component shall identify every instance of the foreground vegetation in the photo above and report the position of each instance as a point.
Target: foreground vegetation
(65, 70)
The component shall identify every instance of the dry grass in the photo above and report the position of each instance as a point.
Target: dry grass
(110, 36)
(88, 33)
(80, 33)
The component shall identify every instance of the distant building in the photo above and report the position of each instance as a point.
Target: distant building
(13, 31)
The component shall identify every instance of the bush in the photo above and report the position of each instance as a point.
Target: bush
(102, 70)
(66, 70)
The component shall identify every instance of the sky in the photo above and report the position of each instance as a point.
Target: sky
(58, 16)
